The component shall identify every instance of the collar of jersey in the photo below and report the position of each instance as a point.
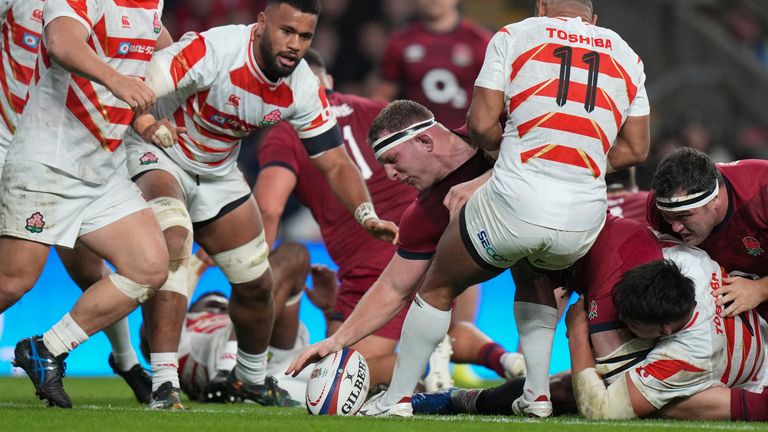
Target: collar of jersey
(253, 66)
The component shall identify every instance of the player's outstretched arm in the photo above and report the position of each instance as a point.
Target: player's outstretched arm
(621, 399)
(483, 118)
(349, 187)
(394, 288)
(66, 42)
(632, 144)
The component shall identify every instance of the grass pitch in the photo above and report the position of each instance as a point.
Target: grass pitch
(106, 404)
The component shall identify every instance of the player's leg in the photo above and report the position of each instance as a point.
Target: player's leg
(164, 313)
(471, 345)
(21, 262)
(86, 268)
(235, 240)
(290, 267)
(720, 403)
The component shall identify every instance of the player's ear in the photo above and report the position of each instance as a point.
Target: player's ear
(261, 20)
(594, 19)
(666, 329)
(426, 142)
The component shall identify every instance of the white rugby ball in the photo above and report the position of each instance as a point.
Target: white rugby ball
(338, 384)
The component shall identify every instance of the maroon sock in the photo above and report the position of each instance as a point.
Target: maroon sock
(490, 356)
(748, 406)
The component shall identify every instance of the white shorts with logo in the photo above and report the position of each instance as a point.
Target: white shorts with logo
(497, 239)
(205, 197)
(47, 205)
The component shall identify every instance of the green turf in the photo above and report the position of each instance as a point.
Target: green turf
(103, 404)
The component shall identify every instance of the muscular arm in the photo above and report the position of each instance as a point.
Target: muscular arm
(632, 144)
(483, 118)
(343, 177)
(273, 187)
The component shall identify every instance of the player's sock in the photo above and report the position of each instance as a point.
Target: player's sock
(536, 327)
(251, 368)
(490, 356)
(165, 367)
(228, 357)
(122, 350)
(64, 336)
(424, 327)
(748, 406)
(498, 400)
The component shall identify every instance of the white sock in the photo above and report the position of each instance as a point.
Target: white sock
(165, 367)
(64, 336)
(228, 357)
(122, 350)
(251, 368)
(425, 326)
(536, 327)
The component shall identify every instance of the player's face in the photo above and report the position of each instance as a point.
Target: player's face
(693, 226)
(407, 164)
(284, 35)
(645, 331)
(436, 8)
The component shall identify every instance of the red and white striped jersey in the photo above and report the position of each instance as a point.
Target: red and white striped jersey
(568, 88)
(222, 96)
(21, 27)
(71, 123)
(202, 341)
(709, 351)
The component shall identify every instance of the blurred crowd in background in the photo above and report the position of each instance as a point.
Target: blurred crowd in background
(706, 60)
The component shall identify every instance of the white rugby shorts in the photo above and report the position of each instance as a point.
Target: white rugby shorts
(497, 239)
(205, 196)
(47, 205)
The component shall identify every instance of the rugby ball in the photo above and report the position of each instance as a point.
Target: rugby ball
(338, 384)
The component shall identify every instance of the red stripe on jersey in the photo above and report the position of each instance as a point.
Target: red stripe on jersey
(567, 123)
(15, 102)
(19, 32)
(185, 149)
(137, 4)
(130, 48)
(692, 322)
(503, 30)
(100, 36)
(746, 344)
(663, 369)
(21, 72)
(81, 9)
(562, 154)
(730, 329)
(81, 113)
(608, 64)
(281, 95)
(187, 58)
(86, 86)
(758, 346)
(577, 92)
(321, 119)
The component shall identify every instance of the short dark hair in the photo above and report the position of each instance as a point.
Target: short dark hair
(306, 6)
(314, 59)
(398, 115)
(685, 170)
(654, 293)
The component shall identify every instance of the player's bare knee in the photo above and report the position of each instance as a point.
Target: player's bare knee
(256, 291)
(179, 242)
(12, 288)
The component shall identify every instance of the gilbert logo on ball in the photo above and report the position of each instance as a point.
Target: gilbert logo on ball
(338, 384)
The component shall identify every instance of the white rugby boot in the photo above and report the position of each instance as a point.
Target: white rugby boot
(438, 375)
(513, 364)
(374, 408)
(538, 408)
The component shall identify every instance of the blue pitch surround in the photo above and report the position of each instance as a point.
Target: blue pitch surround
(55, 294)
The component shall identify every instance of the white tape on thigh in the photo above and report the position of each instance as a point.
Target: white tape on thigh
(171, 212)
(245, 263)
(130, 288)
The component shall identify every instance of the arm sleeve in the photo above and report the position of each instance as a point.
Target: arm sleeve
(418, 237)
(640, 105)
(279, 148)
(87, 12)
(496, 68)
(190, 62)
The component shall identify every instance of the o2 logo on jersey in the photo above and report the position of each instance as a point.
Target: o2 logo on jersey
(30, 40)
(442, 87)
(123, 48)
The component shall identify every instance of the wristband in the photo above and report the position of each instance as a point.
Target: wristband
(364, 212)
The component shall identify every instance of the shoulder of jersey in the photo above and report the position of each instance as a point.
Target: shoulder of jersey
(228, 36)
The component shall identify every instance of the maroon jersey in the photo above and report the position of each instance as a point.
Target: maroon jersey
(630, 205)
(621, 245)
(357, 253)
(738, 242)
(437, 70)
(426, 219)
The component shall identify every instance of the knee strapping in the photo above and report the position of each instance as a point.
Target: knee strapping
(171, 212)
(245, 263)
(134, 290)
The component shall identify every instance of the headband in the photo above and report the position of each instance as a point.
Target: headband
(394, 139)
(687, 202)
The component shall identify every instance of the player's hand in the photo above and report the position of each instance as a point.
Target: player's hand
(325, 287)
(743, 295)
(382, 230)
(576, 320)
(162, 133)
(132, 91)
(460, 194)
(313, 354)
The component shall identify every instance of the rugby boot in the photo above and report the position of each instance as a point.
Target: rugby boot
(45, 371)
(438, 373)
(166, 397)
(373, 407)
(217, 391)
(433, 403)
(540, 408)
(267, 394)
(514, 365)
(137, 379)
